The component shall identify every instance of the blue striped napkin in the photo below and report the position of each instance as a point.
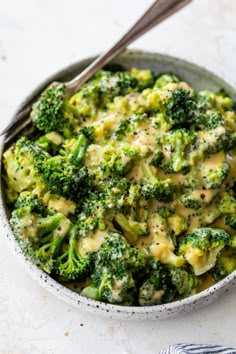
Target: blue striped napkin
(197, 348)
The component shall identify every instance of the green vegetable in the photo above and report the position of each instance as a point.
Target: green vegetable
(201, 248)
(117, 265)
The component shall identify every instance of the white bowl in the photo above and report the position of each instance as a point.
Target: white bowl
(198, 78)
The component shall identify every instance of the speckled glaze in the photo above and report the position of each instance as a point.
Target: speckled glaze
(199, 78)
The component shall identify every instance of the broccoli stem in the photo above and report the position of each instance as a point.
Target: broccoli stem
(49, 223)
(91, 292)
(148, 173)
(81, 148)
(132, 229)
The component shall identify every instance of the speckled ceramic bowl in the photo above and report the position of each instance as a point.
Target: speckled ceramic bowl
(199, 78)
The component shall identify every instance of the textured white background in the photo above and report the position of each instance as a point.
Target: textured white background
(38, 37)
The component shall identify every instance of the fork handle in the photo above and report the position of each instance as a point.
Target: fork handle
(158, 11)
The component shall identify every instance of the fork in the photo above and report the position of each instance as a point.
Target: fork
(155, 14)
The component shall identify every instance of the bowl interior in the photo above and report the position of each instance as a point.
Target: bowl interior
(199, 79)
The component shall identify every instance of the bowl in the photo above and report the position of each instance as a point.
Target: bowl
(199, 78)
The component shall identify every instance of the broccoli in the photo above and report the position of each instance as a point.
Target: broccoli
(99, 208)
(118, 162)
(154, 188)
(218, 100)
(230, 220)
(208, 120)
(177, 224)
(164, 79)
(190, 201)
(101, 90)
(185, 282)
(163, 253)
(175, 146)
(40, 237)
(227, 204)
(145, 78)
(157, 289)
(132, 229)
(201, 248)
(52, 112)
(89, 133)
(22, 163)
(225, 264)
(179, 107)
(116, 268)
(198, 198)
(214, 177)
(71, 265)
(115, 84)
(65, 176)
(111, 160)
(157, 158)
(91, 292)
(136, 125)
(122, 128)
(51, 142)
(31, 201)
(212, 141)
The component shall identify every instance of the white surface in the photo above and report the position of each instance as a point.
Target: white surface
(38, 37)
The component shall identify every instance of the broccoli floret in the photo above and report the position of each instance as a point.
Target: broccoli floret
(209, 119)
(101, 90)
(52, 112)
(132, 229)
(145, 78)
(177, 224)
(100, 207)
(32, 201)
(190, 201)
(40, 237)
(230, 220)
(122, 128)
(185, 282)
(136, 124)
(219, 100)
(212, 141)
(158, 157)
(22, 163)
(154, 188)
(164, 79)
(163, 253)
(225, 264)
(71, 264)
(214, 178)
(115, 84)
(94, 215)
(227, 204)
(117, 265)
(175, 146)
(51, 142)
(179, 107)
(112, 161)
(65, 176)
(89, 133)
(201, 248)
(157, 289)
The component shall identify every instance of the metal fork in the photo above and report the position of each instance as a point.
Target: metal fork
(157, 12)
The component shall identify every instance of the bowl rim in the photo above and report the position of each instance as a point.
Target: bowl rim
(70, 296)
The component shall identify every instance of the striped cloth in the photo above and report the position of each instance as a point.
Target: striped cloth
(197, 349)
